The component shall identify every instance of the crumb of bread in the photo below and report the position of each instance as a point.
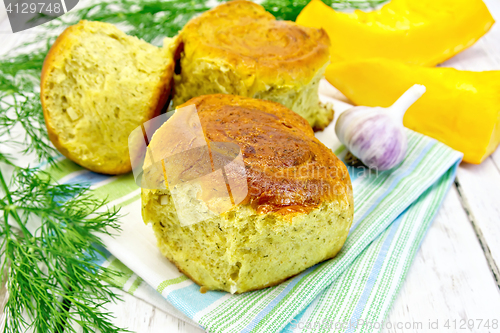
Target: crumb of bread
(241, 250)
(98, 85)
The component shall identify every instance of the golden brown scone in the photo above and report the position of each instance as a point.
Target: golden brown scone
(238, 48)
(97, 85)
(297, 212)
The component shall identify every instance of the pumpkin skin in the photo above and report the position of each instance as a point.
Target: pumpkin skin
(418, 32)
(459, 108)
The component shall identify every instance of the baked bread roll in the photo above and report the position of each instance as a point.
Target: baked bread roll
(97, 85)
(297, 211)
(238, 48)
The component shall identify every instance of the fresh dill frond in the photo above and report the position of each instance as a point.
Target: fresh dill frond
(24, 109)
(53, 278)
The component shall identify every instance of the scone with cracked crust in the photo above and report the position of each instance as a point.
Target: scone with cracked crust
(239, 48)
(297, 212)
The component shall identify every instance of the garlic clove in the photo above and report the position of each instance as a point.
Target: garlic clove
(376, 135)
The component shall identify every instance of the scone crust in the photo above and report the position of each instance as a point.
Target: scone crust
(253, 42)
(288, 169)
(238, 48)
(57, 55)
(240, 33)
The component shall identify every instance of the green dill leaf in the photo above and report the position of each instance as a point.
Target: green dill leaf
(24, 109)
(52, 273)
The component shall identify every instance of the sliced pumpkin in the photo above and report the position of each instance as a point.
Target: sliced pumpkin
(420, 32)
(459, 108)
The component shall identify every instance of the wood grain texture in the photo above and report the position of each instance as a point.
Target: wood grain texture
(139, 316)
(479, 188)
(450, 277)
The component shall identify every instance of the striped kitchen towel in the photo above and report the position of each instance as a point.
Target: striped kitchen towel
(352, 292)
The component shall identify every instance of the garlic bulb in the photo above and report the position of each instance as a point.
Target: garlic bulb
(376, 135)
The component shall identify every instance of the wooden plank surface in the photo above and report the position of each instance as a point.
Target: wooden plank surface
(449, 279)
(142, 317)
(479, 187)
(152, 319)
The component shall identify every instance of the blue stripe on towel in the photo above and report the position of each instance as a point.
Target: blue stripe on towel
(196, 300)
(276, 300)
(87, 177)
(358, 311)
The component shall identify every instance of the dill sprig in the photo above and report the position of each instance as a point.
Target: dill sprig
(24, 109)
(49, 232)
(53, 279)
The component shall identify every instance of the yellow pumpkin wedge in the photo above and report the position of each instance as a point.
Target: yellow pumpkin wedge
(419, 32)
(459, 108)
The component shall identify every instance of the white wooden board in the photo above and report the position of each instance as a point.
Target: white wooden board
(451, 277)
